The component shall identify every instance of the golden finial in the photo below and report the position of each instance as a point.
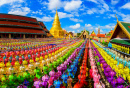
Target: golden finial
(116, 17)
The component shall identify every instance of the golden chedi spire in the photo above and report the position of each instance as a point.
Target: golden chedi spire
(56, 29)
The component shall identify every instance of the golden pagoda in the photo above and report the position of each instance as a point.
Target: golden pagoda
(56, 29)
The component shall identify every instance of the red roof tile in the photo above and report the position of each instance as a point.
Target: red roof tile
(19, 23)
(20, 30)
(111, 31)
(9, 16)
(101, 35)
(93, 35)
(42, 24)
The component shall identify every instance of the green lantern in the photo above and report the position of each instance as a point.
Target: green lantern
(11, 77)
(3, 79)
(98, 63)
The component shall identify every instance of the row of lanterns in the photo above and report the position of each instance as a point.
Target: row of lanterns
(83, 69)
(44, 62)
(112, 69)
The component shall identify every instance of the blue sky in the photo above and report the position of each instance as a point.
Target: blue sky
(75, 15)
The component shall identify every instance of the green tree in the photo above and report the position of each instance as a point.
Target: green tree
(78, 34)
(109, 34)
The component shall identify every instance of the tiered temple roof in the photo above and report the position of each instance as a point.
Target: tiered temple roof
(93, 33)
(101, 35)
(19, 24)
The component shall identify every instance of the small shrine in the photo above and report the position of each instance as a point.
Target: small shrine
(93, 34)
(84, 34)
(69, 35)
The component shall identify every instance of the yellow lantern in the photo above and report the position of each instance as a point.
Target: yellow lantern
(16, 66)
(8, 64)
(52, 59)
(46, 56)
(11, 70)
(128, 78)
(41, 58)
(48, 61)
(21, 70)
(49, 55)
(120, 66)
(37, 59)
(25, 64)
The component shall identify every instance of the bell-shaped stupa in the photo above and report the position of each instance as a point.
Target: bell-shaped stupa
(56, 29)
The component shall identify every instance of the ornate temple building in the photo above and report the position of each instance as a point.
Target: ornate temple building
(120, 38)
(15, 26)
(69, 35)
(84, 34)
(56, 29)
(93, 34)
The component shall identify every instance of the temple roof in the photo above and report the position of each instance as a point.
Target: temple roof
(20, 30)
(19, 17)
(101, 35)
(84, 32)
(43, 26)
(111, 31)
(20, 24)
(125, 26)
(93, 33)
(120, 41)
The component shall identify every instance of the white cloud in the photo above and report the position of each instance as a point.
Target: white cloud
(108, 26)
(88, 25)
(45, 19)
(73, 5)
(75, 26)
(97, 16)
(101, 31)
(125, 17)
(38, 12)
(76, 20)
(16, 5)
(101, 7)
(95, 1)
(53, 4)
(114, 2)
(126, 6)
(64, 15)
(2, 2)
(20, 11)
(96, 29)
(78, 30)
(73, 31)
(111, 15)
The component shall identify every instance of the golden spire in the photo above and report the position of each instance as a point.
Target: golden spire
(116, 17)
(56, 29)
